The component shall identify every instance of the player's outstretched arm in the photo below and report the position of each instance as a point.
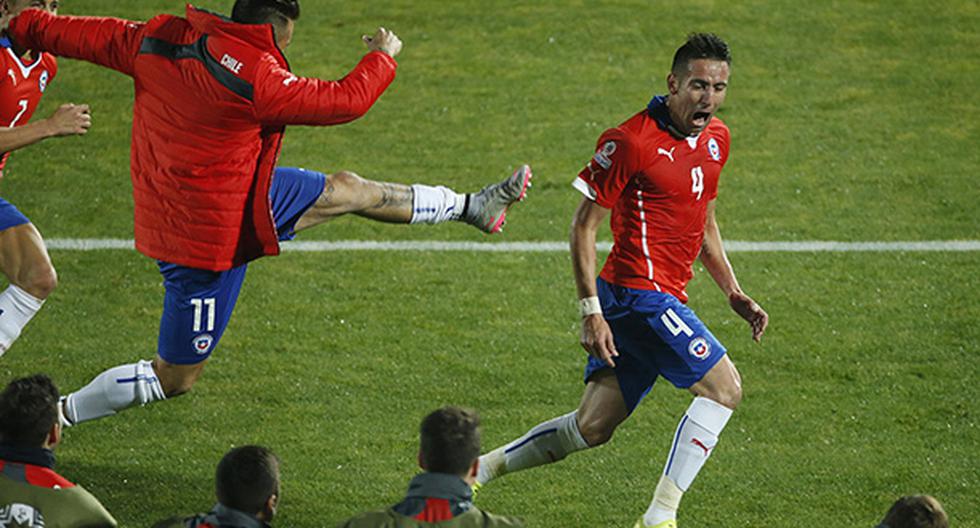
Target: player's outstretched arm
(110, 42)
(68, 120)
(282, 98)
(596, 338)
(716, 262)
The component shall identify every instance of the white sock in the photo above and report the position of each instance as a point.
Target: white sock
(434, 205)
(17, 307)
(114, 390)
(666, 499)
(696, 436)
(547, 442)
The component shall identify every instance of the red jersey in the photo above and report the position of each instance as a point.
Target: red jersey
(21, 87)
(658, 188)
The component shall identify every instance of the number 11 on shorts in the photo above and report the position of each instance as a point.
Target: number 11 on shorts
(199, 305)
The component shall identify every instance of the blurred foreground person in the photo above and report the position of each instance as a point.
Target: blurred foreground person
(31, 493)
(442, 496)
(247, 486)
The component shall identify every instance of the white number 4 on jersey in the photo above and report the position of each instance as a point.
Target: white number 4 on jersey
(697, 181)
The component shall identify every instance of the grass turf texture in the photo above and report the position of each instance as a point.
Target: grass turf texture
(849, 123)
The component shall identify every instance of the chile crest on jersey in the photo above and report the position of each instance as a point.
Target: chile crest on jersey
(714, 150)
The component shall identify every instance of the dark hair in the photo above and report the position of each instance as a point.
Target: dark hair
(264, 11)
(916, 511)
(28, 409)
(246, 477)
(700, 46)
(450, 440)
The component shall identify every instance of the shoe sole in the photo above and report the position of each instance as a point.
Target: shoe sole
(497, 225)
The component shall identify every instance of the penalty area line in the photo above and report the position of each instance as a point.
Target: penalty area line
(732, 246)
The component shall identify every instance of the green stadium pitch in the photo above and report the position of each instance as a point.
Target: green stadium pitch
(851, 122)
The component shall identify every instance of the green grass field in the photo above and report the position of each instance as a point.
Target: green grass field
(851, 121)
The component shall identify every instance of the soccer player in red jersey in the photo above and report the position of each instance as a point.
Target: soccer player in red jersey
(23, 257)
(658, 174)
(213, 97)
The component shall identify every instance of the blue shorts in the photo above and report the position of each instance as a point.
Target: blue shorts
(10, 216)
(656, 335)
(198, 303)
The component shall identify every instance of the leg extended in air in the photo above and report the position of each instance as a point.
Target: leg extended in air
(345, 192)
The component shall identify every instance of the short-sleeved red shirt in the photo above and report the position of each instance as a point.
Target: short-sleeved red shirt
(21, 87)
(658, 188)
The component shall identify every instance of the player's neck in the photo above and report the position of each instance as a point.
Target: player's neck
(26, 56)
(671, 122)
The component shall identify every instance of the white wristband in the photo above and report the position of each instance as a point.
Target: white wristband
(589, 306)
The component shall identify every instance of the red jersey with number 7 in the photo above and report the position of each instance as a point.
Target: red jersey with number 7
(658, 188)
(21, 87)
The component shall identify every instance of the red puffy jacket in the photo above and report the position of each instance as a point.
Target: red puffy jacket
(212, 101)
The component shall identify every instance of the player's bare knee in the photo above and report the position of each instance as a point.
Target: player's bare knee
(735, 398)
(729, 397)
(595, 432)
(43, 282)
(346, 190)
(346, 181)
(38, 280)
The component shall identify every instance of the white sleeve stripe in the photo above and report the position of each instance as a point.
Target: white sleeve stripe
(584, 188)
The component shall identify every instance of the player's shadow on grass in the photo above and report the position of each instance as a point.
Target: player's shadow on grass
(139, 495)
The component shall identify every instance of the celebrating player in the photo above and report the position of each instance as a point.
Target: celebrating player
(23, 257)
(658, 173)
(213, 96)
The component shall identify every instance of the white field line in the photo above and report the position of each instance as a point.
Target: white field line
(735, 246)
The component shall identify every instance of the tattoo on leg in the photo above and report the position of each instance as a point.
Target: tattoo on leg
(394, 195)
(325, 196)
